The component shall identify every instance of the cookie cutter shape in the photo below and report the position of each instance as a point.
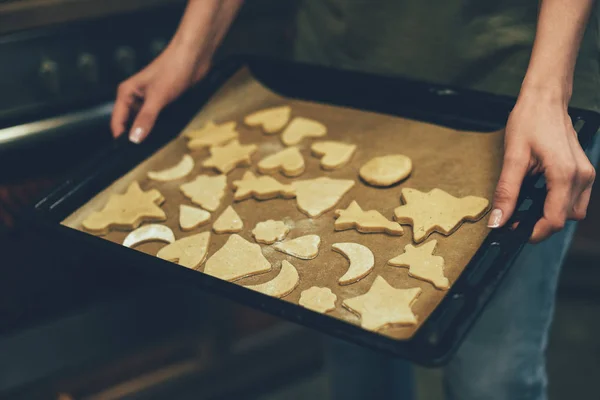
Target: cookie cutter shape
(301, 128)
(189, 252)
(386, 170)
(226, 157)
(334, 154)
(289, 161)
(228, 222)
(365, 221)
(361, 261)
(182, 169)
(206, 191)
(384, 305)
(319, 299)
(303, 247)
(437, 211)
(280, 286)
(127, 210)
(270, 231)
(422, 264)
(316, 196)
(192, 217)
(261, 188)
(237, 259)
(272, 119)
(211, 135)
(149, 233)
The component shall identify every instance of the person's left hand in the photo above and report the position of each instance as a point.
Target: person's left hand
(540, 138)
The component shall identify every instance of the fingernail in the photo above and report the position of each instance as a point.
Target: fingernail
(136, 135)
(495, 218)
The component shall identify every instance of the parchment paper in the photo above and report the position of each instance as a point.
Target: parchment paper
(461, 163)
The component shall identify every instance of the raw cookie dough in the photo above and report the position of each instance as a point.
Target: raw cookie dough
(211, 135)
(386, 170)
(384, 305)
(335, 154)
(423, 264)
(269, 232)
(282, 285)
(206, 191)
(237, 259)
(183, 168)
(301, 128)
(192, 217)
(225, 158)
(272, 120)
(189, 252)
(127, 211)
(365, 221)
(289, 161)
(437, 211)
(319, 299)
(361, 260)
(149, 233)
(228, 222)
(316, 196)
(261, 188)
(304, 247)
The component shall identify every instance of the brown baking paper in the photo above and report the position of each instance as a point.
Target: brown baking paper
(461, 163)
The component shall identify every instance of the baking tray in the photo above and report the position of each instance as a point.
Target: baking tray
(443, 329)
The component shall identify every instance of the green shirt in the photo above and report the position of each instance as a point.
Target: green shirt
(478, 44)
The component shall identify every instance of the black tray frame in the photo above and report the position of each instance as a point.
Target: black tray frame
(441, 334)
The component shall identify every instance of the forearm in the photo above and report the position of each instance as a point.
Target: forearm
(561, 24)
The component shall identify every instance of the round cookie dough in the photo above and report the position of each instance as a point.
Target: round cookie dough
(386, 170)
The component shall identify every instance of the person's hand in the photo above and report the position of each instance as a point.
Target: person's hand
(151, 89)
(540, 139)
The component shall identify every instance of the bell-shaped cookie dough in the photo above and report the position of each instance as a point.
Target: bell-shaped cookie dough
(237, 259)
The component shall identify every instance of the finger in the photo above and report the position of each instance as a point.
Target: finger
(144, 122)
(558, 201)
(514, 168)
(586, 174)
(122, 109)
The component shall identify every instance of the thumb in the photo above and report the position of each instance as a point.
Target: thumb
(146, 117)
(514, 168)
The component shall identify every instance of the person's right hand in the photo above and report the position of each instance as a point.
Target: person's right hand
(150, 90)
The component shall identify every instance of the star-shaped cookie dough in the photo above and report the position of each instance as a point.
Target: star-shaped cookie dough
(127, 211)
(384, 305)
(226, 158)
(437, 211)
(211, 134)
(423, 264)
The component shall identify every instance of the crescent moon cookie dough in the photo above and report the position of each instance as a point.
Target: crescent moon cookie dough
(127, 211)
(211, 135)
(304, 247)
(437, 211)
(316, 196)
(149, 233)
(192, 217)
(205, 191)
(237, 259)
(225, 158)
(319, 299)
(261, 188)
(301, 128)
(282, 285)
(269, 232)
(384, 305)
(334, 154)
(182, 169)
(289, 161)
(228, 222)
(271, 120)
(365, 221)
(189, 252)
(361, 261)
(422, 264)
(386, 170)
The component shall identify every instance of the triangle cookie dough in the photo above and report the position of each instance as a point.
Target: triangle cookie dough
(149, 233)
(228, 222)
(384, 306)
(423, 264)
(272, 120)
(182, 169)
(225, 158)
(316, 196)
(127, 211)
(261, 188)
(365, 221)
(319, 299)
(301, 128)
(437, 211)
(334, 154)
(211, 135)
(361, 260)
(289, 161)
(192, 217)
(237, 259)
(386, 170)
(205, 191)
(189, 252)
(282, 285)
(304, 247)
(269, 232)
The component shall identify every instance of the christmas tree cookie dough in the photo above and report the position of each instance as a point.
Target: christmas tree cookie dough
(365, 221)
(261, 188)
(422, 264)
(206, 191)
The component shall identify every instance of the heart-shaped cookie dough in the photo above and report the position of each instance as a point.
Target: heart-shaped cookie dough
(289, 161)
(272, 120)
(301, 128)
